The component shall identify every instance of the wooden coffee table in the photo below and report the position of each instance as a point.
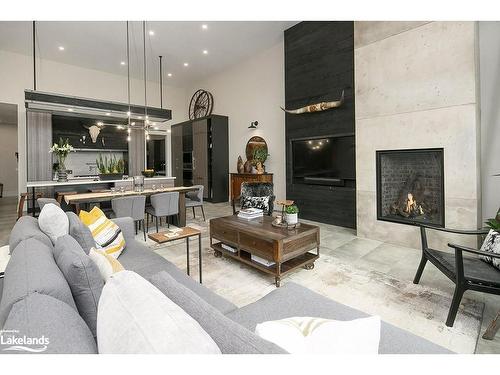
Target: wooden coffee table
(288, 249)
(186, 232)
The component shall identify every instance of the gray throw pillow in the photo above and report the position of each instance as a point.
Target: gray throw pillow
(230, 337)
(83, 277)
(80, 232)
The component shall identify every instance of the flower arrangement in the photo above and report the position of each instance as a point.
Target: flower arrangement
(61, 150)
(259, 157)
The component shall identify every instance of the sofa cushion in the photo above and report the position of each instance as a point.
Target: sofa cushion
(53, 222)
(27, 227)
(38, 315)
(294, 300)
(83, 277)
(139, 258)
(80, 232)
(106, 264)
(136, 318)
(230, 337)
(32, 268)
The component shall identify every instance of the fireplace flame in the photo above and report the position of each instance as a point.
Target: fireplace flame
(412, 207)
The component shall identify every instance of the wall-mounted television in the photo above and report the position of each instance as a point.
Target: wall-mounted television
(324, 161)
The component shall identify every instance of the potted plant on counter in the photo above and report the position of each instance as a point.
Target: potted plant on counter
(111, 169)
(61, 150)
(259, 157)
(292, 214)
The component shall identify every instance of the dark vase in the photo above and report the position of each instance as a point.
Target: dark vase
(110, 176)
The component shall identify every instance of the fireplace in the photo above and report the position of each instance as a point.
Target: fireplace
(410, 186)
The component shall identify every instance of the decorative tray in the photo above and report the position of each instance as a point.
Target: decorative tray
(285, 225)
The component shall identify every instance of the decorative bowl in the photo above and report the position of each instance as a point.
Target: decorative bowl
(148, 173)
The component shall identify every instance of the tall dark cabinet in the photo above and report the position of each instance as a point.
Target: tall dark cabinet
(200, 155)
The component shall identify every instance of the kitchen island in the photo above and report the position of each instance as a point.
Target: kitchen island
(85, 185)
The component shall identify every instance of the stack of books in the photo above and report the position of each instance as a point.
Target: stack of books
(250, 213)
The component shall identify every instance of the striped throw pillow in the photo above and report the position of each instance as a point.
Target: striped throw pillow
(107, 235)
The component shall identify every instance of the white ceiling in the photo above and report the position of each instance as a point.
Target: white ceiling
(102, 45)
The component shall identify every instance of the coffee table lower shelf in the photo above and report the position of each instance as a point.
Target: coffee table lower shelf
(305, 260)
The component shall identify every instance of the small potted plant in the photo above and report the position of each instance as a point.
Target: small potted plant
(61, 150)
(494, 223)
(292, 214)
(111, 169)
(259, 157)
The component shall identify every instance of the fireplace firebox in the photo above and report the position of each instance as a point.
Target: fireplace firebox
(410, 186)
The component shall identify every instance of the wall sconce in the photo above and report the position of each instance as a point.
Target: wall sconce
(253, 125)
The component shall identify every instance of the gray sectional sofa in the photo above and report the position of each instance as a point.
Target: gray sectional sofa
(37, 301)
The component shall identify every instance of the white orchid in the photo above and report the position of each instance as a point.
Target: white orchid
(61, 149)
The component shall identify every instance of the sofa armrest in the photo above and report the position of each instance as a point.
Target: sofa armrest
(473, 251)
(126, 225)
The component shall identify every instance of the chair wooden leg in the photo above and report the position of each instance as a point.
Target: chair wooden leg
(194, 214)
(203, 212)
(167, 219)
(136, 225)
(455, 303)
(156, 220)
(420, 269)
(143, 230)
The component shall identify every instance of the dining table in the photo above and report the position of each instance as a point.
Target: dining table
(77, 200)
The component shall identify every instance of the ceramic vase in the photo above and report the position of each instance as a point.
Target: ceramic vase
(239, 166)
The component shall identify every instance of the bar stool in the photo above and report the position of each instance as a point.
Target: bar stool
(132, 206)
(22, 199)
(163, 204)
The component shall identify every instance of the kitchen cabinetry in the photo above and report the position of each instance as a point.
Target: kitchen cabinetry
(200, 155)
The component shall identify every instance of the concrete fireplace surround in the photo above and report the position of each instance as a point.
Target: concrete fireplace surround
(416, 87)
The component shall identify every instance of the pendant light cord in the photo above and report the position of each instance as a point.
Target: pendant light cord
(128, 75)
(145, 76)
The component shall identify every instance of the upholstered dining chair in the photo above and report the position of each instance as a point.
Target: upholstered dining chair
(134, 207)
(163, 204)
(195, 199)
(251, 190)
(466, 272)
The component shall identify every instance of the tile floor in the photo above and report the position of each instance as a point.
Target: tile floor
(342, 243)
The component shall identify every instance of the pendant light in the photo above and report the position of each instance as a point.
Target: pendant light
(146, 121)
(128, 87)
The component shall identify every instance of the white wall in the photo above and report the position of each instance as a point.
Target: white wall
(8, 165)
(16, 75)
(250, 91)
(489, 61)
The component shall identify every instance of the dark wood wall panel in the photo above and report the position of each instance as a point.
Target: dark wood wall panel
(319, 64)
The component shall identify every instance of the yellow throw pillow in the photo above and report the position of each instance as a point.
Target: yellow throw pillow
(107, 235)
(106, 263)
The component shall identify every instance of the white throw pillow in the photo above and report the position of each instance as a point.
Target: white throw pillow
(305, 335)
(53, 222)
(491, 244)
(135, 317)
(106, 263)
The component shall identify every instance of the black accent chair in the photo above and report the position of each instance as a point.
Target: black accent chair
(468, 272)
(257, 189)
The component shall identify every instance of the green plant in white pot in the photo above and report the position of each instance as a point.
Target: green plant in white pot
(292, 214)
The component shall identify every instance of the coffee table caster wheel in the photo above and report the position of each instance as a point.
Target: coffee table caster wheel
(277, 282)
(309, 266)
(217, 253)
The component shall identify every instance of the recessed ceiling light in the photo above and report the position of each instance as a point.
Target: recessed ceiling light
(139, 117)
(70, 109)
(120, 127)
(186, 64)
(156, 128)
(99, 123)
(128, 113)
(122, 63)
(151, 32)
(168, 130)
(204, 26)
(108, 114)
(61, 48)
(169, 74)
(132, 123)
(205, 52)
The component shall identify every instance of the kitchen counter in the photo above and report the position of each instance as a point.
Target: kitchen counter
(89, 181)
